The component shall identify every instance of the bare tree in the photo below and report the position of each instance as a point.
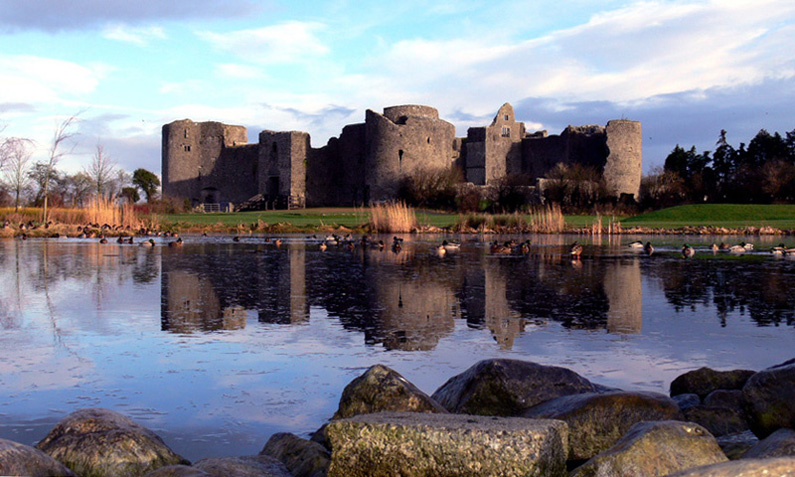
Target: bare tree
(15, 156)
(60, 139)
(102, 172)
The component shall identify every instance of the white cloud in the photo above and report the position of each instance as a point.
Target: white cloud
(238, 71)
(32, 79)
(289, 42)
(140, 36)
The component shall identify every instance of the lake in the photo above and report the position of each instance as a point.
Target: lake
(219, 344)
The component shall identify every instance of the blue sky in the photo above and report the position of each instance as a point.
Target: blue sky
(685, 69)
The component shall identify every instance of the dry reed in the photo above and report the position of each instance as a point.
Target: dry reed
(392, 217)
(548, 220)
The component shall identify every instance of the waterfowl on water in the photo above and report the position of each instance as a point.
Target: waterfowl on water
(636, 245)
(440, 251)
(147, 243)
(739, 248)
(278, 242)
(715, 247)
(323, 246)
(176, 243)
(500, 249)
(575, 250)
(724, 246)
(235, 239)
(397, 244)
(688, 251)
(120, 239)
(747, 246)
(523, 248)
(451, 246)
(648, 248)
(779, 250)
(103, 240)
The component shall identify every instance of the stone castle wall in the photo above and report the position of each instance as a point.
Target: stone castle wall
(211, 161)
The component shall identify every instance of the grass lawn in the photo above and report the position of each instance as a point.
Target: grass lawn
(717, 215)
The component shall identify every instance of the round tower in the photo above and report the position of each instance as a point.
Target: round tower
(624, 166)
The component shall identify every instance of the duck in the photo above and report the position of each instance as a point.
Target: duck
(523, 248)
(176, 243)
(440, 251)
(648, 248)
(120, 239)
(147, 243)
(235, 239)
(688, 251)
(636, 245)
(451, 246)
(724, 246)
(103, 239)
(278, 242)
(715, 247)
(380, 245)
(747, 246)
(575, 250)
(129, 240)
(739, 248)
(500, 249)
(323, 246)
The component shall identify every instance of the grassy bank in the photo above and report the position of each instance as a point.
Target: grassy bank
(730, 216)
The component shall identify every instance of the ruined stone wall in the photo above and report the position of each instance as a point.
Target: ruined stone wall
(282, 167)
(624, 167)
(395, 150)
(206, 162)
(495, 150)
(540, 153)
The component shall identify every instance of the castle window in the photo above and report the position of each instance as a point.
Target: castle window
(505, 117)
(400, 160)
(429, 139)
(506, 131)
(187, 148)
(186, 134)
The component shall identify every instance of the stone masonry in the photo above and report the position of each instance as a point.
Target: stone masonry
(211, 162)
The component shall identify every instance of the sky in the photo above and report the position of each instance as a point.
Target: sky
(685, 68)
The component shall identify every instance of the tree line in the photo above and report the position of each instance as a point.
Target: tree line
(761, 172)
(24, 182)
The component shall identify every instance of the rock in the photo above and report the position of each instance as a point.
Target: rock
(703, 381)
(687, 400)
(781, 466)
(383, 389)
(19, 459)
(778, 444)
(735, 445)
(732, 399)
(596, 421)
(506, 387)
(718, 420)
(415, 444)
(655, 448)
(103, 442)
(769, 398)
(177, 471)
(303, 458)
(244, 466)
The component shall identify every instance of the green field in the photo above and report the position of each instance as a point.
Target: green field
(733, 216)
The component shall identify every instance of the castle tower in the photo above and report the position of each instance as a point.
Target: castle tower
(495, 150)
(281, 171)
(623, 168)
(404, 140)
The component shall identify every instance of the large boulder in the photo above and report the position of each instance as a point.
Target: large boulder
(703, 381)
(781, 466)
(719, 421)
(101, 442)
(244, 466)
(303, 458)
(597, 420)
(655, 448)
(778, 444)
(415, 444)
(506, 387)
(769, 398)
(19, 459)
(179, 470)
(383, 389)
(736, 445)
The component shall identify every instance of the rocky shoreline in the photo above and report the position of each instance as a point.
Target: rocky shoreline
(499, 417)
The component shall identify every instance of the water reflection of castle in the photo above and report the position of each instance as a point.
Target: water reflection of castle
(407, 301)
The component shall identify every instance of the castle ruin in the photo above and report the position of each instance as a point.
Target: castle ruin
(211, 162)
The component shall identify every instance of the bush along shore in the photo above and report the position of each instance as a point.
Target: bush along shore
(500, 417)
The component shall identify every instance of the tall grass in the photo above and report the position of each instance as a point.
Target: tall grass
(98, 211)
(392, 217)
(548, 219)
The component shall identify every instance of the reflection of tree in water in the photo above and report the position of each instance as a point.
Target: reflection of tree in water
(760, 287)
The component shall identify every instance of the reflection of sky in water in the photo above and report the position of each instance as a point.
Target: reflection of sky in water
(291, 327)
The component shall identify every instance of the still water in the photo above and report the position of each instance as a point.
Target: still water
(219, 344)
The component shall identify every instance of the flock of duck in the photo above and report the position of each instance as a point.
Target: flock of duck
(511, 247)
